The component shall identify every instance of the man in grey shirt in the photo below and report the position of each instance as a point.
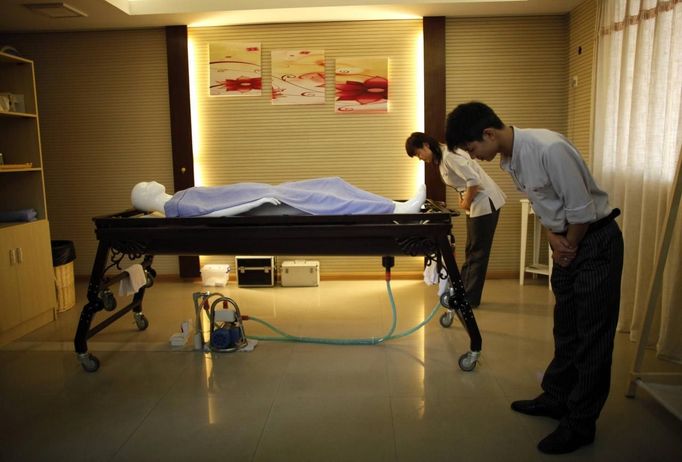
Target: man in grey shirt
(587, 249)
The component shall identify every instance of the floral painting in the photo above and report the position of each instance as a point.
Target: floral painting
(297, 77)
(235, 69)
(361, 85)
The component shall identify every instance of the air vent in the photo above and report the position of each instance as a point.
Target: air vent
(55, 10)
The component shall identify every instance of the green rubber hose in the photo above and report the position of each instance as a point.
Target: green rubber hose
(284, 337)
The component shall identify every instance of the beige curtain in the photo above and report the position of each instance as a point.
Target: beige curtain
(637, 139)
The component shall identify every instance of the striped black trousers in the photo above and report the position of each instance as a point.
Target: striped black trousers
(585, 316)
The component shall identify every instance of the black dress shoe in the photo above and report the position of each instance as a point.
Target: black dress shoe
(564, 440)
(539, 407)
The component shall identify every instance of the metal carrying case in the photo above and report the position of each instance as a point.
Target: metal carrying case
(300, 273)
(255, 271)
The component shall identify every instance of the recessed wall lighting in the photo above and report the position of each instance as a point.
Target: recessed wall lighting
(55, 10)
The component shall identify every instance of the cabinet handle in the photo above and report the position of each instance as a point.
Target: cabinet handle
(12, 258)
(20, 255)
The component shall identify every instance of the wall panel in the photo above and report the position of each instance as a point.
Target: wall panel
(581, 55)
(518, 66)
(249, 139)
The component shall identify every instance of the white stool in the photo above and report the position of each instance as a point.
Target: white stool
(536, 267)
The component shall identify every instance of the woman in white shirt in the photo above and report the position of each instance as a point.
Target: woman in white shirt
(480, 198)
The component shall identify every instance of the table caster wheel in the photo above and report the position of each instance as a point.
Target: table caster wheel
(141, 321)
(446, 319)
(89, 362)
(108, 300)
(467, 362)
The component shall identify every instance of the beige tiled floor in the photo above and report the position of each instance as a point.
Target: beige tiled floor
(405, 400)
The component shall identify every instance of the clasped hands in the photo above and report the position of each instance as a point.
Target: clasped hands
(563, 251)
(465, 201)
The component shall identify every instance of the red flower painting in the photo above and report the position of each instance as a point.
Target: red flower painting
(241, 84)
(369, 91)
(235, 69)
(361, 85)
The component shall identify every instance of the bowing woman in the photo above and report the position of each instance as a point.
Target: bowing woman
(480, 197)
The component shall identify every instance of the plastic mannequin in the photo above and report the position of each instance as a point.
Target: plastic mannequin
(150, 196)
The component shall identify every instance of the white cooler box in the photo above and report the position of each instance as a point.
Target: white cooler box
(215, 275)
(300, 273)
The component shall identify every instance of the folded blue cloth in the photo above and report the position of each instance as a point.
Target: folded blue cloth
(18, 215)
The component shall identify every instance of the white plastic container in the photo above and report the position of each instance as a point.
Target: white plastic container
(215, 275)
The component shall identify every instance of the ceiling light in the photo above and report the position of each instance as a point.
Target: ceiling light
(55, 10)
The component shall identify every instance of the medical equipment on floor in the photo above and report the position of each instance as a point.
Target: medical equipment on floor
(449, 300)
(300, 273)
(219, 325)
(255, 271)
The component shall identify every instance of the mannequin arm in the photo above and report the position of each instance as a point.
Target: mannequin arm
(243, 208)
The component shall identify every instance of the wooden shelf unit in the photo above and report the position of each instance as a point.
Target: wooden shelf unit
(27, 287)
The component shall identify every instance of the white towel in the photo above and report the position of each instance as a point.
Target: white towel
(135, 280)
(431, 274)
(431, 278)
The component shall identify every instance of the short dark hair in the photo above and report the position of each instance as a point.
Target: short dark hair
(416, 141)
(466, 123)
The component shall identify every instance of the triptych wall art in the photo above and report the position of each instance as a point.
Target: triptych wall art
(298, 77)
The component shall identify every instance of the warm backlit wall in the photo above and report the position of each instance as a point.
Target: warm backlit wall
(249, 139)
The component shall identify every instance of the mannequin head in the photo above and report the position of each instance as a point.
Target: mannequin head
(149, 196)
